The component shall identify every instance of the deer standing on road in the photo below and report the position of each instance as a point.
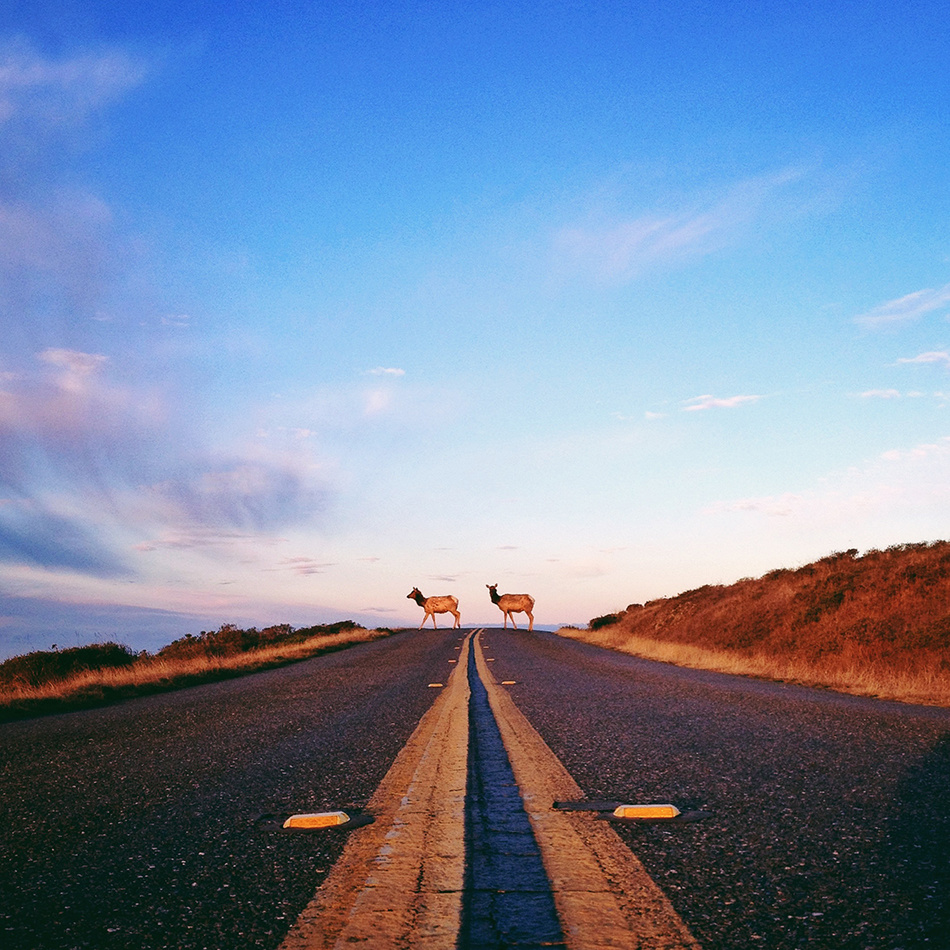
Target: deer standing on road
(510, 604)
(436, 605)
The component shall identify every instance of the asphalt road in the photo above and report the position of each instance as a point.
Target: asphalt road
(829, 821)
(140, 825)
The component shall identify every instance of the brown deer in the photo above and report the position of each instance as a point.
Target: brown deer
(510, 604)
(436, 605)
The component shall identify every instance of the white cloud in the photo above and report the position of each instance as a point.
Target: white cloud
(880, 394)
(934, 356)
(907, 308)
(700, 403)
(386, 371)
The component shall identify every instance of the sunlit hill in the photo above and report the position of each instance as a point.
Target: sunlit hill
(876, 624)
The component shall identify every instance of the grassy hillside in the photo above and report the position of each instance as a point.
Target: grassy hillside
(877, 624)
(58, 680)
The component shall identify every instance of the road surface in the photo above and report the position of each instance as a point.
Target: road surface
(151, 823)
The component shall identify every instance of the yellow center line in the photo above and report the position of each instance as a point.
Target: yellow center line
(603, 894)
(399, 880)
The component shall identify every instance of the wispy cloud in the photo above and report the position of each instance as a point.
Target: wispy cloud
(32, 533)
(243, 494)
(305, 566)
(87, 465)
(940, 357)
(907, 308)
(622, 250)
(701, 403)
(386, 371)
(618, 249)
(38, 89)
(58, 246)
(880, 394)
(54, 252)
(908, 481)
(377, 401)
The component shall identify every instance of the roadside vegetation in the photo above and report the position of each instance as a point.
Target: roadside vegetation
(873, 625)
(58, 680)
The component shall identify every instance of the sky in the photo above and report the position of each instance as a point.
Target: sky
(305, 304)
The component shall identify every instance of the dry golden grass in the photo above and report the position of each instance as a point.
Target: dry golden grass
(929, 687)
(877, 625)
(151, 674)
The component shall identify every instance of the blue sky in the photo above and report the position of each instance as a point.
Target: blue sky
(302, 305)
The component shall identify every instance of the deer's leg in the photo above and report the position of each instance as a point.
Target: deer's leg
(530, 619)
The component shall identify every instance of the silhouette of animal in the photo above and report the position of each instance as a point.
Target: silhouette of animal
(510, 604)
(436, 605)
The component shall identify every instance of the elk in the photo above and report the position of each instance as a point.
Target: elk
(436, 605)
(510, 604)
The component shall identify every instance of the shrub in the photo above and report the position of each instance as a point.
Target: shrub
(43, 666)
(606, 621)
(229, 639)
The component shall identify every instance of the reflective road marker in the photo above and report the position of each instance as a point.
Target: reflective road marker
(320, 819)
(646, 811)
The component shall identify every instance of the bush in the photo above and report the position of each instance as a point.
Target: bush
(230, 639)
(607, 620)
(40, 667)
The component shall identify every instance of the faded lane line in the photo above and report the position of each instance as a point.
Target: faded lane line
(399, 881)
(603, 894)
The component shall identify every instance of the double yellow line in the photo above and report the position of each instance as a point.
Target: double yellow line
(400, 881)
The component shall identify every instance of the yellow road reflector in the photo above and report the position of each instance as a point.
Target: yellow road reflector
(507, 682)
(320, 819)
(436, 684)
(453, 661)
(646, 811)
(489, 659)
